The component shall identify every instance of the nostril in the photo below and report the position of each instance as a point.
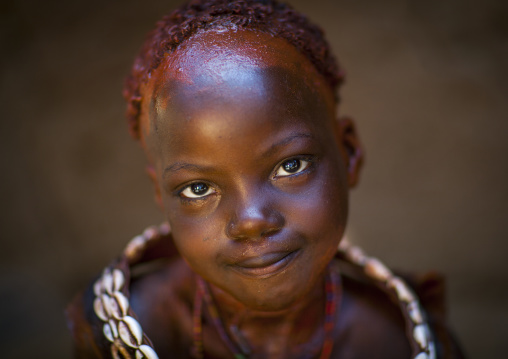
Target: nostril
(269, 232)
(231, 230)
(237, 231)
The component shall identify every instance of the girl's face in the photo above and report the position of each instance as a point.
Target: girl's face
(250, 164)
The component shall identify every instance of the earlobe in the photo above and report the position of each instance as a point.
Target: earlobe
(150, 170)
(351, 148)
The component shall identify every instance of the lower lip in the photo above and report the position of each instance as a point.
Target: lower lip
(270, 270)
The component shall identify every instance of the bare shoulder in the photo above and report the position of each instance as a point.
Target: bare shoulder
(370, 325)
(162, 299)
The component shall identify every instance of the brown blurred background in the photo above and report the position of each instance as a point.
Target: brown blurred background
(427, 82)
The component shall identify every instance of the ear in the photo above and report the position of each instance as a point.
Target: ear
(350, 147)
(150, 170)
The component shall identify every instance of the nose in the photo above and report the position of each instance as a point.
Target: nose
(254, 219)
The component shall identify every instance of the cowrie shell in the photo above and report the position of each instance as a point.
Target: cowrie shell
(420, 335)
(134, 246)
(356, 255)
(414, 312)
(116, 312)
(344, 245)
(146, 352)
(422, 355)
(97, 287)
(108, 333)
(164, 229)
(123, 303)
(150, 233)
(432, 350)
(107, 281)
(99, 309)
(118, 280)
(106, 304)
(403, 292)
(114, 329)
(376, 269)
(130, 332)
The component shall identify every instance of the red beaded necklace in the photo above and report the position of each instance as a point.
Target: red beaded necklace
(239, 349)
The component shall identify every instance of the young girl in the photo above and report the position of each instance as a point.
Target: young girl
(235, 105)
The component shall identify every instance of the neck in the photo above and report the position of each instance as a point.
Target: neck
(270, 333)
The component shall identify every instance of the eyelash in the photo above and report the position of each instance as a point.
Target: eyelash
(309, 162)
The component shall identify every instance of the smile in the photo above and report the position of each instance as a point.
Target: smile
(265, 265)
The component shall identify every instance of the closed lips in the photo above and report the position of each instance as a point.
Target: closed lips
(263, 260)
(265, 264)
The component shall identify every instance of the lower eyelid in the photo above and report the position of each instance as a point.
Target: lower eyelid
(195, 200)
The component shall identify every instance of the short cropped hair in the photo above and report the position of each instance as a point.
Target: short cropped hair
(267, 16)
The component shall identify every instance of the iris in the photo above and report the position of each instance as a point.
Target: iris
(291, 166)
(199, 188)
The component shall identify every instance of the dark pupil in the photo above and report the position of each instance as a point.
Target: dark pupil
(291, 165)
(199, 188)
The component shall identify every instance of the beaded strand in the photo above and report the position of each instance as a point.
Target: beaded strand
(239, 348)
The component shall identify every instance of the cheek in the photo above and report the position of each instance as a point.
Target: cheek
(198, 240)
(325, 204)
(321, 212)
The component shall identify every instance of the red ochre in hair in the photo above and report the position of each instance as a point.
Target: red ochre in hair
(267, 16)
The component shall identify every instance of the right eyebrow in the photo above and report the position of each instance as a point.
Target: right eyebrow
(178, 166)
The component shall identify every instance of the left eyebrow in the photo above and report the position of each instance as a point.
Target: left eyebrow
(276, 146)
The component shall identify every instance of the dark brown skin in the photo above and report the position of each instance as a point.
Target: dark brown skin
(225, 115)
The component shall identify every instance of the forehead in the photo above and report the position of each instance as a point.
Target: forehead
(245, 69)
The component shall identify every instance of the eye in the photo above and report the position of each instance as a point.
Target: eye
(196, 190)
(291, 167)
